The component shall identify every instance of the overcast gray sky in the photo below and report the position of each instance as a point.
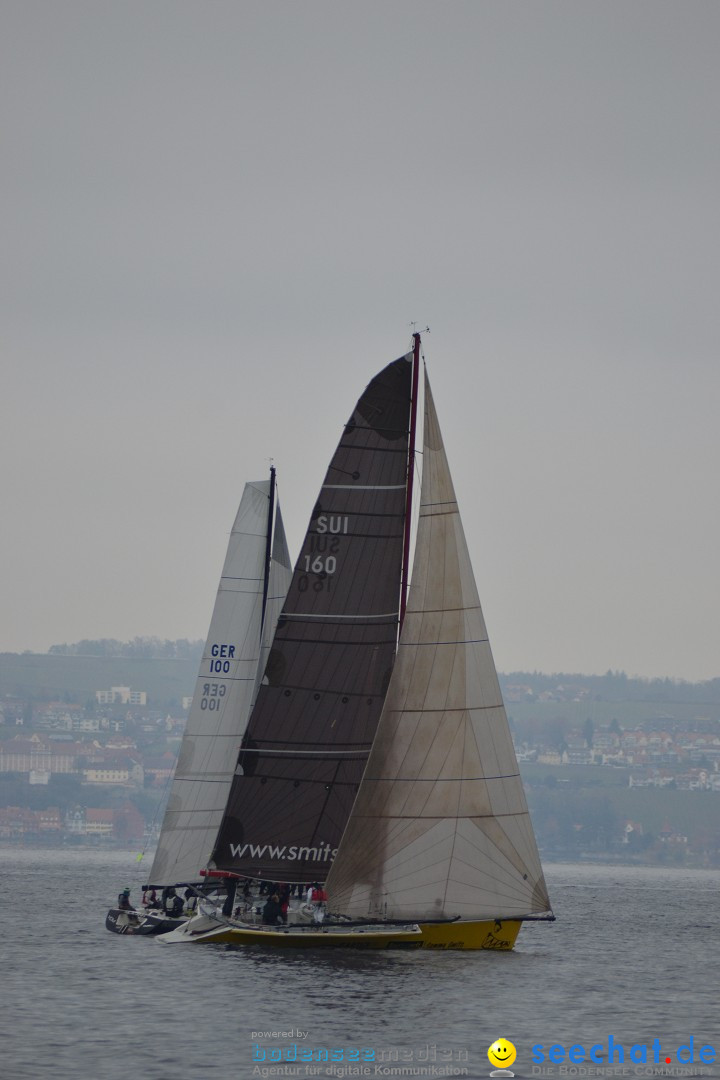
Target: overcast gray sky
(219, 220)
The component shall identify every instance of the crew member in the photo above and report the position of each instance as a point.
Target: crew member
(124, 900)
(272, 911)
(173, 904)
(318, 899)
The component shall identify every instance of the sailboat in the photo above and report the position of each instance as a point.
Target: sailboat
(378, 756)
(254, 580)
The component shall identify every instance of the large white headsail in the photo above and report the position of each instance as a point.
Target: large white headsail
(440, 826)
(224, 691)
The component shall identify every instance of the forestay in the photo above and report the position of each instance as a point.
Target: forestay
(440, 827)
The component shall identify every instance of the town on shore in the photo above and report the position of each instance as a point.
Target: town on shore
(615, 769)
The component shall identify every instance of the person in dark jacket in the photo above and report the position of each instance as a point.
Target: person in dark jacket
(272, 911)
(124, 900)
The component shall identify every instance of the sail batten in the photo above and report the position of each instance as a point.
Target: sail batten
(440, 826)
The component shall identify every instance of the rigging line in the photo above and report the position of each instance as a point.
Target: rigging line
(461, 641)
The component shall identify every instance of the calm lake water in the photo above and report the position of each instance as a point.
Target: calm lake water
(634, 954)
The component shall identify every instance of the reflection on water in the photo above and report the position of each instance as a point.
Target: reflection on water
(635, 953)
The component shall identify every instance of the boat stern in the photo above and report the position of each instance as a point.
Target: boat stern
(487, 934)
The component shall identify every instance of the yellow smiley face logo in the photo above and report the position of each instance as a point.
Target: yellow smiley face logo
(502, 1053)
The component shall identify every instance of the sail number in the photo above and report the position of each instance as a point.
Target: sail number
(219, 651)
(212, 696)
(321, 564)
(322, 558)
(332, 523)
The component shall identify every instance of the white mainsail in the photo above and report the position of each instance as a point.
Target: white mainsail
(440, 826)
(230, 671)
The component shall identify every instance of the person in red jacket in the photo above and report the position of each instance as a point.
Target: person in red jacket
(318, 899)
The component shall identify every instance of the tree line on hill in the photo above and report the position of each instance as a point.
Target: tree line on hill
(140, 648)
(617, 686)
(613, 686)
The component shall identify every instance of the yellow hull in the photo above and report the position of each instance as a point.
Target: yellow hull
(404, 937)
(488, 934)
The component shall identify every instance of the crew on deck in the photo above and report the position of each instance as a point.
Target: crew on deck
(124, 900)
(272, 911)
(172, 903)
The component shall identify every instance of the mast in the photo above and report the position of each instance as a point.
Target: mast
(410, 476)
(268, 543)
